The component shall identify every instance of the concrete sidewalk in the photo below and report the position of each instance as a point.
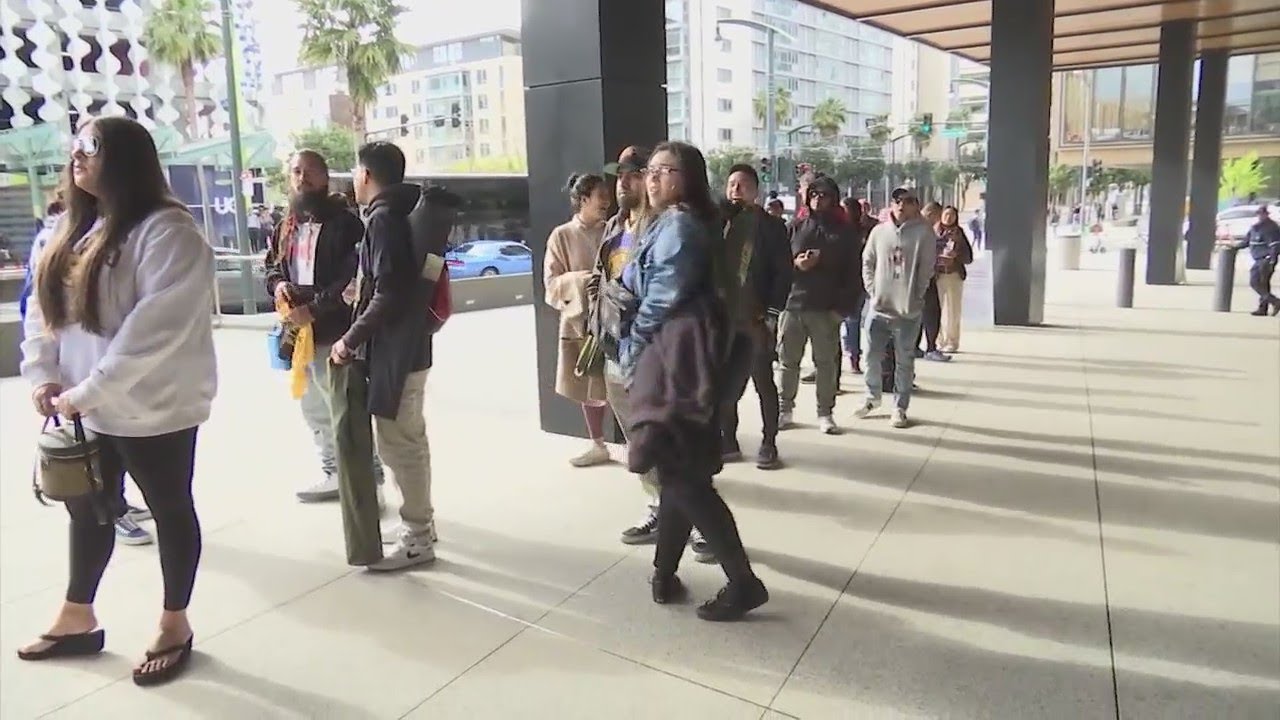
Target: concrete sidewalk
(1087, 514)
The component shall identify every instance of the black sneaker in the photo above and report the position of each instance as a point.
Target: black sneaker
(666, 589)
(643, 534)
(810, 378)
(731, 454)
(733, 601)
(767, 458)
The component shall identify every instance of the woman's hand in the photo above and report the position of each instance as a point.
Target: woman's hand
(43, 398)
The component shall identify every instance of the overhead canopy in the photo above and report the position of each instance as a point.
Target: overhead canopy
(1087, 33)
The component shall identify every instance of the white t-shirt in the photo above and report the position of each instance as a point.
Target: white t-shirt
(302, 254)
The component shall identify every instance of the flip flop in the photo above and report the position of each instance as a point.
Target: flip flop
(143, 678)
(64, 646)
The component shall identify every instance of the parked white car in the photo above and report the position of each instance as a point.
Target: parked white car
(1232, 223)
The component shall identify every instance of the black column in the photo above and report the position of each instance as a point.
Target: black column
(1169, 151)
(594, 73)
(1206, 160)
(1018, 158)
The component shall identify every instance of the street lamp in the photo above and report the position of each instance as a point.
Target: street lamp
(770, 120)
(986, 111)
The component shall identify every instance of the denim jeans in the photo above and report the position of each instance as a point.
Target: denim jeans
(853, 325)
(903, 332)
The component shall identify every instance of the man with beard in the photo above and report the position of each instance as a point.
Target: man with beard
(310, 262)
(621, 235)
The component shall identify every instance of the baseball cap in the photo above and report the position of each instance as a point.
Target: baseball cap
(903, 193)
(633, 158)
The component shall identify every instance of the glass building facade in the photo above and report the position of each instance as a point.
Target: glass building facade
(1123, 104)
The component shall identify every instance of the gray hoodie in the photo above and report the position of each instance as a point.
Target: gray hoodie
(897, 265)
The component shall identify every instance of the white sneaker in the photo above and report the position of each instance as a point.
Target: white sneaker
(867, 408)
(900, 418)
(399, 532)
(597, 455)
(827, 425)
(786, 420)
(411, 551)
(322, 491)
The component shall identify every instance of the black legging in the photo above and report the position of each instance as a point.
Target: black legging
(754, 361)
(162, 466)
(932, 318)
(688, 501)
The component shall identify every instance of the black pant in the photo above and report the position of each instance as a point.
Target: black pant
(1260, 280)
(689, 501)
(752, 360)
(932, 320)
(162, 466)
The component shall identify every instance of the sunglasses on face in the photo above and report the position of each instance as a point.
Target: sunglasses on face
(87, 145)
(660, 170)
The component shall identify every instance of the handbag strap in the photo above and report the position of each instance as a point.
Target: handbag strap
(97, 489)
(35, 465)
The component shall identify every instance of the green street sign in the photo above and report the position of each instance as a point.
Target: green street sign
(955, 132)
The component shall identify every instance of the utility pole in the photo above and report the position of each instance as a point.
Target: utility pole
(770, 112)
(1084, 155)
(237, 163)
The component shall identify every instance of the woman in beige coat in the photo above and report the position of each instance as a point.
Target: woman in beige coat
(571, 255)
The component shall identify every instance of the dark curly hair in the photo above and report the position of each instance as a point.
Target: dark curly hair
(581, 186)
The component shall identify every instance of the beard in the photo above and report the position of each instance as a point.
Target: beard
(308, 202)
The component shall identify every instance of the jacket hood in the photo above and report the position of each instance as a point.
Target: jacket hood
(399, 198)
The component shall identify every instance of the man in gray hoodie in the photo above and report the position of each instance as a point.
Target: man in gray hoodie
(897, 265)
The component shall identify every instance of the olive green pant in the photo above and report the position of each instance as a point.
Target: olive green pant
(354, 450)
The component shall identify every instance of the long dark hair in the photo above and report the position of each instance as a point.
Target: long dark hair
(953, 209)
(132, 185)
(696, 196)
(581, 186)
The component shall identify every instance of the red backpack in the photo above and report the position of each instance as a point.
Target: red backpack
(441, 309)
(430, 223)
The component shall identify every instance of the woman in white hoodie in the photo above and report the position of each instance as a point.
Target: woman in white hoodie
(119, 333)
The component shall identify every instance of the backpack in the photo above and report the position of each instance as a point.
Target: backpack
(430, 224)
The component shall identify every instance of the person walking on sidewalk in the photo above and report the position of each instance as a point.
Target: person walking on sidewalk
(572, 249)
(1263, 241)
(672, 359)
(823, 292)
(310, 261)
(379, 368)
(954, 253)
(897, 266)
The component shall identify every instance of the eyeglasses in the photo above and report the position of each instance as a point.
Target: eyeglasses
(659, 170)
(87, 145)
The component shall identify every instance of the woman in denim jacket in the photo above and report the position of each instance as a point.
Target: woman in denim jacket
(676, 270)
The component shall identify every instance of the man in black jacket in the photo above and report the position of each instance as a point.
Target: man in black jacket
(310, 261)
(823, 292)
(766, 282)
(380, 369)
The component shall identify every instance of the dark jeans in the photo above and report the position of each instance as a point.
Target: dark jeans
(1260, 280)
(853, 330)
(354, 450)
(753, 360)
(162, 466)
(690, 501)
(931, 320)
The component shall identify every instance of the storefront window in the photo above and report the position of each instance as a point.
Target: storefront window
(1139, 101)
(1266, 95)
(1108, 90)
(1239, 95)
(1073, 107)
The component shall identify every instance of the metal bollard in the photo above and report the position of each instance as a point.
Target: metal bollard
(1224, 278)
(1124, 288)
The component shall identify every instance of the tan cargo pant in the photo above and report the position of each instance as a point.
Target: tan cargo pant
(616, 393)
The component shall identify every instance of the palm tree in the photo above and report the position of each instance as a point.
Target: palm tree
(880, 131)
(919, 138)
(829, 117)
(781, 107)
(359, 37)
(181, 35)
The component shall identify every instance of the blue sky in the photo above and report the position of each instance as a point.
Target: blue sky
(428, 21)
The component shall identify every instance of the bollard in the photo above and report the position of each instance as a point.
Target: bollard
(1224, 278)
(1124, 288)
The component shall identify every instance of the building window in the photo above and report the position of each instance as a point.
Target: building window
(417, 132)
(392, 112)
(421, 155)
(417, 110)
(484, 125)
(1108, 90)
(723, 13)
(725, 105)
(389, 89)
(482, 77)
(1266, 94)
(484, 150)
(1136, 121)
(726, 45)
(726, 135)
(482, 102)
(415, 87)
(724, 75)
(309, 80)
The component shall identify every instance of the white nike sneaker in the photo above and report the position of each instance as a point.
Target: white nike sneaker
(409, 552)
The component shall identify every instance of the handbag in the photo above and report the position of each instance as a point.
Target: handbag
(66, 463)
(279, 348)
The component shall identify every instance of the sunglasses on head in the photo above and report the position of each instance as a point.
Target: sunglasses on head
(87, 145)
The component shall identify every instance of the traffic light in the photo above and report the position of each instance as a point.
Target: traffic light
(766, 170)
(1096, 165)
(926, 124)
(455, 113)
(404, 125)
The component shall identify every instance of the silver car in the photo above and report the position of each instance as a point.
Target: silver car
(230, 285)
